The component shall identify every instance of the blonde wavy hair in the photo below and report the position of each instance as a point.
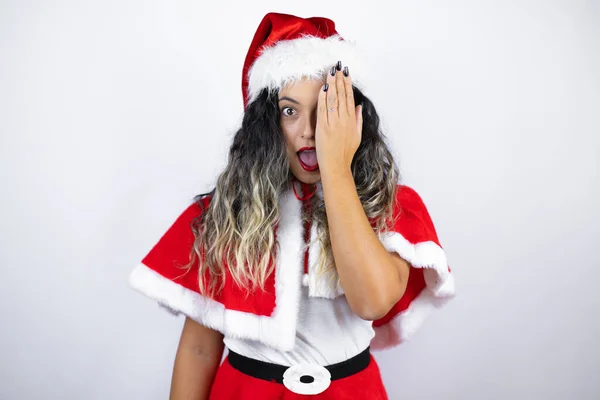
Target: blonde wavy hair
(237, 229)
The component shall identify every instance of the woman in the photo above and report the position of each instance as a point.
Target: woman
(307, 253)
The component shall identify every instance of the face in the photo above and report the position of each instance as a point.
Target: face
(298, 119)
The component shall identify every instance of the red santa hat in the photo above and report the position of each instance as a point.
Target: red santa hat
(287, 48)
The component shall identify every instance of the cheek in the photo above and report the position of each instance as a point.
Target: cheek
(292, 130)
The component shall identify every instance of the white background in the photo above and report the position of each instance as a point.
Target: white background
(114, 114)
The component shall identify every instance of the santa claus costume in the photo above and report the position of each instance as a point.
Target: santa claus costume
(298, 338)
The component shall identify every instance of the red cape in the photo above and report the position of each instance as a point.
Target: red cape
(270, 316)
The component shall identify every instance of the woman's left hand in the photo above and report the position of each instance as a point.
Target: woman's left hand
(339, 123)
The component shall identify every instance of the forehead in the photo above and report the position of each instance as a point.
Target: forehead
(304, 91)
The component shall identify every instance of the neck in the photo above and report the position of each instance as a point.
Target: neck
(307, 190)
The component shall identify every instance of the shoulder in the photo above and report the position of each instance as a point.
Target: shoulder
(194, 210)
(408, 202)
(407, 196)
(411, 216)
(176, 243)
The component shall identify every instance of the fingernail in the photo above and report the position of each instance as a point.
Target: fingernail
(346, 71)
(326, 87)
(339, 66)
(332, 72)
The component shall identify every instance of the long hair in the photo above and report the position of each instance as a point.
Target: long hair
(237, 230)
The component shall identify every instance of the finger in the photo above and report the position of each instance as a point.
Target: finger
(341, 91)
(349, 91)
(359, 119)
(322, 105)
(332, 97)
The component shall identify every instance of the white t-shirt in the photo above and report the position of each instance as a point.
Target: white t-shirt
(328, 332)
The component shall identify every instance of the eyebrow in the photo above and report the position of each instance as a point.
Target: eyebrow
(289, 99)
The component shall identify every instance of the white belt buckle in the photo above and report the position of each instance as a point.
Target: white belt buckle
(307, 378)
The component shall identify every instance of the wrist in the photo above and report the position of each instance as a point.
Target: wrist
(335, 172)
(337, 178)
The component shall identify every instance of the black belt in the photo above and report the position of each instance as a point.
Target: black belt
(274, 372)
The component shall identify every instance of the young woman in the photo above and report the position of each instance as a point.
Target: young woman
(308, 253)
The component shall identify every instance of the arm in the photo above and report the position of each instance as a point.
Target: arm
(198, 357)
(373, 279)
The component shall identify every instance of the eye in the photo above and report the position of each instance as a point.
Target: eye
(288, 111)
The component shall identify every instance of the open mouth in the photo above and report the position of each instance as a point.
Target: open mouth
(308, 159)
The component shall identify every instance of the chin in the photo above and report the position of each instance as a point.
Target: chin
(307, 177)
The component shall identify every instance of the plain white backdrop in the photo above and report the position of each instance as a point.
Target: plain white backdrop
(114, 114)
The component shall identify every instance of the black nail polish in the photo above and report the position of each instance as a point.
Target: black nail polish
(339, 66)
(346, 71)
(332, 72)
(326, 87)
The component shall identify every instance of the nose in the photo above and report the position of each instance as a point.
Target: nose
(310, 126)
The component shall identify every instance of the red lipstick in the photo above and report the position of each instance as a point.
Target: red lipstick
(307, 156)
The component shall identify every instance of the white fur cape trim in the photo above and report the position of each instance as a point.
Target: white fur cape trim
(324, 285)
(277, 330)
(310, 57)
(439, 289)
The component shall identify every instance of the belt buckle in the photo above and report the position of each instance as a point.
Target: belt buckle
(307, 378)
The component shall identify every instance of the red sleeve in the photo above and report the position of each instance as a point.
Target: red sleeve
(430, 282)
